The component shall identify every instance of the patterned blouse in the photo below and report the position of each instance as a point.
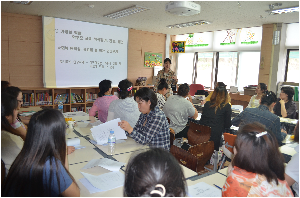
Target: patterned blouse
(241, 183)
(169, 79)
(160, 100)
(253, 103)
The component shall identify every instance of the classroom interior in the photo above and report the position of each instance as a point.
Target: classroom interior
(22, 60)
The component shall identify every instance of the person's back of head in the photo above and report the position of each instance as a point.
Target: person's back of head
(45, 140)
(4, 85)
(147, 94)
(263, 87)
(9, 105)
(14, 91)
(124, 88)
(155, 172)
(183, 90)
(162, 84)
(104, 86)
(218, 97)
(257, 152)
(268, 98)
(288, 91)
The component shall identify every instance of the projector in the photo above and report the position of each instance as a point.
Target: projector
(183, 8)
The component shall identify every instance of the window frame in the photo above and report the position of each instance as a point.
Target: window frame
(287, 62)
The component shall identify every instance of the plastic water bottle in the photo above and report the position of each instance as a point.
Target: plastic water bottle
(111, 143)
(60, 105)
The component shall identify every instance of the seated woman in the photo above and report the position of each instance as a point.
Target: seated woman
(162, 89)
(41, 168)
(216, 114)
(292, 168)
(285, 106)
(103, 101)
(178, 110)
(152, 126)
(154, 173)
(18, 127)
(257, 168)
(11, 144)
(228, 99)
(125, 108)
(254, 100)
(263, 115)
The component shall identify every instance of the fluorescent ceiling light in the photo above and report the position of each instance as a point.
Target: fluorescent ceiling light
(189, 24)
(126, 12)
(22, 2)
(281, 10)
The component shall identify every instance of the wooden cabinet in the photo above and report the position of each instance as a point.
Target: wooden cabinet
(74, 98)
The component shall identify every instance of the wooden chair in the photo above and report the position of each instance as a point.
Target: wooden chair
(198, 133)
(203, 152)
(184, 158)
(227, 147)
(172, 136)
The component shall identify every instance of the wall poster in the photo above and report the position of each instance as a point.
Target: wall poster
(153, 59)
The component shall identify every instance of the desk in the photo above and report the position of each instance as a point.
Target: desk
(215, 178)
(287, 150)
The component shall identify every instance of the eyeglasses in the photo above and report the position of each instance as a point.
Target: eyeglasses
(20, 101)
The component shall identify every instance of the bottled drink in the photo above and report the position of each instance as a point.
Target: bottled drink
(60, 105)
(111, 143)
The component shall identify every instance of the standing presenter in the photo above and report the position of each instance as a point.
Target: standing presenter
(167, 74)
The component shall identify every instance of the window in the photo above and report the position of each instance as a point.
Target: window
(204, 69)
(292, 67)
(227, 68)
(248, 69)
(185, 69)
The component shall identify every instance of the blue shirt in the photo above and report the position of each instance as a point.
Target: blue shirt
(156, 131)
(263, 116)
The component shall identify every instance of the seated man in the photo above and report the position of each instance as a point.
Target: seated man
(263, 115)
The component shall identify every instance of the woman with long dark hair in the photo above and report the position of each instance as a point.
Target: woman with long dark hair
(216, 114)
(257, 169)
(41, 168)
(103, 101)
(11, 144)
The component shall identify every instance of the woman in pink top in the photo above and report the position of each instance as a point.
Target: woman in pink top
(103, 101)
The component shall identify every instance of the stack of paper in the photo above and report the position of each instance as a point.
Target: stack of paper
(101, 132)
(105, 181)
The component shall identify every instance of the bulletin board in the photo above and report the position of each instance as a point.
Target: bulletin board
(153, 59)
(178, 46)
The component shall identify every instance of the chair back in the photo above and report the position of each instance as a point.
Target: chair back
(172, 136)
(229, 141)
(203, 152)
(198, 133)
(194, 88)
(184, 158)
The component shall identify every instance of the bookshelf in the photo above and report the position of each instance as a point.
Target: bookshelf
(74, 98)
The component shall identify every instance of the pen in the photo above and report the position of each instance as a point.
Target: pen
(218, 186)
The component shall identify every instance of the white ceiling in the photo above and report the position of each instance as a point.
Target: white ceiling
(222, 14)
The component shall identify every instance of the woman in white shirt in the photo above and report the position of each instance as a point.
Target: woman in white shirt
(162, 89)
(126, 108)
(260, 90)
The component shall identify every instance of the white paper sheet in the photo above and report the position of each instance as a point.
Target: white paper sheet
(106, 163)
(77, 113)
(74, 142)
(89, 186)
(106, 181)
(202, 189)
(101, 132)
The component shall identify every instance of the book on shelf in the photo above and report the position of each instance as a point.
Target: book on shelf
(43, 99)
(91, 97)
(61, 97)
(75, 109)
(28, 99)
(75, 98)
